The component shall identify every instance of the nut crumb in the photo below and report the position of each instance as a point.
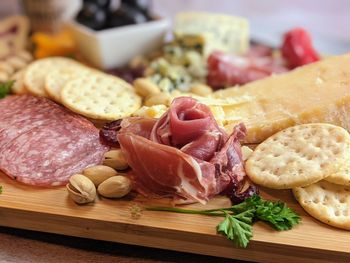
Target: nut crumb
(135, 211)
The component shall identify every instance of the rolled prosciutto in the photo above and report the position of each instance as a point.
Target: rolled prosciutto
(184, 154)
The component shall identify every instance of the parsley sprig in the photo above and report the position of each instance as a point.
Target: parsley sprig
(5, 88)
(237, 225)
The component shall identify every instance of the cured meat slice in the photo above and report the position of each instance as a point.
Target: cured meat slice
(48, 155)
(205, 146)
(229, 161)
(136, 125)
(186, 120)
(201, 162)
(44, 144)
(22, 113)
(164, 170)
(229, 70)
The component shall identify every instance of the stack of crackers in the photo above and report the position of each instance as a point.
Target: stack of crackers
(83, 90)
(314, 161)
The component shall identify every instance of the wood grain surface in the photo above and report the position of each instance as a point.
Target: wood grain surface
(50, 210)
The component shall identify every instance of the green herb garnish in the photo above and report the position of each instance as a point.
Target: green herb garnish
(237, 225)
(0, 189)
(5, 88)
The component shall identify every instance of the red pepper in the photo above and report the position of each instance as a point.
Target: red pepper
(297, 48)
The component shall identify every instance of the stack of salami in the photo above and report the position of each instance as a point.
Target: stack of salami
(42, 143)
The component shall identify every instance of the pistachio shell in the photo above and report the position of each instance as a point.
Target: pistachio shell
(158, 99)
(115, 159)
(115, 187)
(201, 90)
(81, 189)
(145, 87)
(99, 173)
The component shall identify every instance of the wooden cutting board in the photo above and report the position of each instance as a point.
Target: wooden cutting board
(50, 210)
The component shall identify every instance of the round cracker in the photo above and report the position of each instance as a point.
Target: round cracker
(55, 80)
(299, 156)
(101, 97)
(18, 87)
(342, 176)
(34, 76)
(327, 202)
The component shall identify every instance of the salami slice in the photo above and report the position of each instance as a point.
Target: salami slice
(42, 143)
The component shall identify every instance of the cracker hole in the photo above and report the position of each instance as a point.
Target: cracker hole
(316, 200)
(336, 213)
(309, 157)
(297, 150)
(345, 213)
(342, 200)
(338, 139)
(276, 171)
(336, 151)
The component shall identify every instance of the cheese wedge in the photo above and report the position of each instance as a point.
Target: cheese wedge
(318, 92)
(199, 28)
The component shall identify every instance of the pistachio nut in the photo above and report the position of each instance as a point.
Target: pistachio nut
(115, 159)
(158, 99)
(99, 173)
(115, 187)
(201, 90)
(81, 189)
(145, 87)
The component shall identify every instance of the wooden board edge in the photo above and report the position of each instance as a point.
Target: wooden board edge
(163, 238)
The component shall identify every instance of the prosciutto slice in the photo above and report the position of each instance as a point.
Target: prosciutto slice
(184, 155)
(230, 70)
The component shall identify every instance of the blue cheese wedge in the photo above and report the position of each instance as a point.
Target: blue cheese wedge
(212, 32)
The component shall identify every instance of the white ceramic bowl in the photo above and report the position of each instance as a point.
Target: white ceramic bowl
(115, 47)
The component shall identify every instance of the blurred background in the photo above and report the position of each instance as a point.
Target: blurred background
(327, 20)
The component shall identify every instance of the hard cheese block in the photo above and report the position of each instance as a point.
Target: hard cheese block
(202, 29)
(318, 92)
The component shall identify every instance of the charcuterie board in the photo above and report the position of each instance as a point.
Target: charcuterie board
(50, 210)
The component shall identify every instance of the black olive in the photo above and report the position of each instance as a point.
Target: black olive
(92, 16)
(126, 15)
(142, 5)
(101, 3)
